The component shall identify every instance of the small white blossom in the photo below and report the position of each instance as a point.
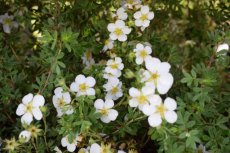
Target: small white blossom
(158, 111)
(30, 107)
(7, 22)
(158, 75)
(61, 101)
(108, 45)
(96, 148)
(87, 59)
(113, 89)
(222, 47)
(105, 109)
(131, 4)
(139, 98)
(114, 66)
(110, 75)
(83, 85)
(121, 14)
(25, 135)
(70, 146)
(143, 17)
(118, 30)
(57, 150)
(142, 53)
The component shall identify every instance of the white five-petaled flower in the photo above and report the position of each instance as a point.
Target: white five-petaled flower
(25, 135)
(118, 30)
(108, 45)
(142, 53)
(61, 101)
(158, 75)
(83, 85)
(7, 22)
(130, 4)
(139, 98)
(70, 146)
(96, 148)
(113, 88)
(105, 109)
(157, 110)
(143, 17)
(87, 59)
(114, 66)
(121, 14)
(30, 107)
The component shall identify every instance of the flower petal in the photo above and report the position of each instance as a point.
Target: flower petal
(95, 148)
(105, 119)
(27, 98)
(111, 27)
(71, 147)
(148, 109)
(112, 114)
(170, 104)
(80, 79)
(90, 92)
(133, 102)
(21, 110)
(164, 83)
(64, 142)
(27, 118)
(37, 113)
(133, 92)
(38, 101)
(170, 116)
(25, 135)
(155, 120)
(99, 104)
(109, 103)
(90, 81)
(74, 87)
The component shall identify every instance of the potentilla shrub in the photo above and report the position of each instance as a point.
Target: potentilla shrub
(114, 77)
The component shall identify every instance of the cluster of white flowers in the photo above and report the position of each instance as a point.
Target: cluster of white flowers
(157, 80)
(8, 22)
(87, 59)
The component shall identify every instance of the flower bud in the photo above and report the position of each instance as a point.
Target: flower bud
(129, 74)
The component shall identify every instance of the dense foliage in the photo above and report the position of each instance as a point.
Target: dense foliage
(58, 68)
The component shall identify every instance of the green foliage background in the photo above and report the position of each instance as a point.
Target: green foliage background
(185, 33)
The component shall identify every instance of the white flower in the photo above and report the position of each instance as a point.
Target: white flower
(7, 22)
(143, 17)
(118, 30)
(113, 89)
(139, 98)
(110, 75)
(96, 148)
(114, 66)
(158, 75)
(30, 107)
(108, 45)
(142, 53)
(70, 146)
(121, 14)
(105, 109)
(87, 59)
(222, 47)
(57, 150)
(25, 135)
(130, 4)
(61, 101)
(83, 85)
(157, 110)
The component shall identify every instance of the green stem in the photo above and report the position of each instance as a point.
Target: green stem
(44, 135)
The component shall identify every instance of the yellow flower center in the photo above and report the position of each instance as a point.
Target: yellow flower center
(107, 42)
(83, 87)
(142, 99)
(154, 77)
(29, 107)
(161, 109)
(118, 31)
(114, 90)
(130, 1)
(61, 102)
(144, 17)
(7, 21)
(105, 148)
(104, 111)
(143, 53)
(114, 66)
